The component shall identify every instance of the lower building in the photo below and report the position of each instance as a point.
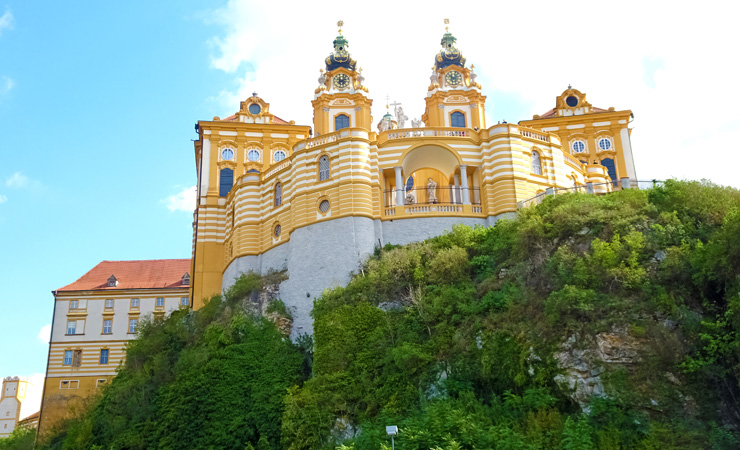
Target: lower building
(14, 392)
(95, 317)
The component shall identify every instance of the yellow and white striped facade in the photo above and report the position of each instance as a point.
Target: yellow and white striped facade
(330, 217)
(90, 331)
(13, 393)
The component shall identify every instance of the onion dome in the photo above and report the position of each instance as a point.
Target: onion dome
(449, 54)
(340, 57)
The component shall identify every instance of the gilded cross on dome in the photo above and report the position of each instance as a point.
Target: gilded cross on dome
(340, 24)
(447, 22)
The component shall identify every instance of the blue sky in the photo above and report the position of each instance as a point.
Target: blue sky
(98, 102)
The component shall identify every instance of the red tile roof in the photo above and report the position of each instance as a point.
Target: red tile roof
(147, 274)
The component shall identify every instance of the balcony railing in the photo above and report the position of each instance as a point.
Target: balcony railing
(445, 195)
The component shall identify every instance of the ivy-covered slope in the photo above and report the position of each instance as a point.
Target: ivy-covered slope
(589, 322)
(489, 338)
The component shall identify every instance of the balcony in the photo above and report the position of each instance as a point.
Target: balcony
(447, 200)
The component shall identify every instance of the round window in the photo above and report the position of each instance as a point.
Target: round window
(253, 155)
(279, 155)
(277, 230)
(324, 206)
(571, 101)
(227, 154)
(605, 144)
(579, 146)
(254, 109)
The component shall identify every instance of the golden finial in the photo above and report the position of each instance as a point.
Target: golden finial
(340, 24)
(447, 22)
(472, 66)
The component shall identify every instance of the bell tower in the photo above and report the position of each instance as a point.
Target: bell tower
(341, 99)
(453, 98)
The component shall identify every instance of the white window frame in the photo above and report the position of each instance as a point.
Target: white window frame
(184, 301)
(67, 361)
(109, 329)
(135, 302)
(275, 155)
(259, 154)
(107, 356)
(71, 326)
(73, 304)
(158, 301)
(109, 301)
(133, 325)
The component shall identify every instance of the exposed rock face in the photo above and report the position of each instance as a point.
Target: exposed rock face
(259, 302)
(583, 367)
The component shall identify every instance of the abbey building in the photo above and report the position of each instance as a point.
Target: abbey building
(316, 201)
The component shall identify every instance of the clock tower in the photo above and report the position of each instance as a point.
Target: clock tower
(454, 98)
(341, 99)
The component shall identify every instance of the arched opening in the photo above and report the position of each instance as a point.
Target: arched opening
(226, 181)
(611, 169)
(457, 119)
(341, 121)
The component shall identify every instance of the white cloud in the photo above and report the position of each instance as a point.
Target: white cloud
(3, 198)
(32, 403)
(6, 21)
(181, 201)
(45, 334)
(6, 85)
(679, 84)
(17, 180)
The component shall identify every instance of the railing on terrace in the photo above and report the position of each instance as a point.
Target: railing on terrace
(534, 134)
(327, 138)
(276, 168)
(431, 132)
(592, 188)
(443, 196)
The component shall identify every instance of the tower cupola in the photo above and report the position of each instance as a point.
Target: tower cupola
(449, 54)
(340, 101)
(340, 57)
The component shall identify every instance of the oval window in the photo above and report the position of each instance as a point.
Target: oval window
(254, 109)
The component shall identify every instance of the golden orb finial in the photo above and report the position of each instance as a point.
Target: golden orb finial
(447, 22)
(340, 24)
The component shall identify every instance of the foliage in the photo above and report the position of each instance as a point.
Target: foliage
(20, 439)
(213, 378)
(459, 340)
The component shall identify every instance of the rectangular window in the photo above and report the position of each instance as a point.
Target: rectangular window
(104, 356)
(69, 384)
(73, 304)
(109, 303)
(71, 327)
(160, 302)
(100, 381)
(107, 326)
(67, 357)
(132, 324)
(77, 358)
(185, 301)
(134, 303)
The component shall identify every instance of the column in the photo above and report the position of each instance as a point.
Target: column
(399, 186)
(456, 189)
(464, 180)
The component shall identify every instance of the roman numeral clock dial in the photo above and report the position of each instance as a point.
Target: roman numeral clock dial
(453, 78)
(341, 81)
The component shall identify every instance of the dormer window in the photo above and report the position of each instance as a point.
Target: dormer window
(112, 281)
(186, 280)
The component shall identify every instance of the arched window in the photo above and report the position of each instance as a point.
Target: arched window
(279, 156)
(278, 194)
(579, 146)
(409, 183)
(323, 168)
(341, 121)
(536, 163)
(605, 144)
(457, 119)
(253, 155)
(610, 168)
(227, 180)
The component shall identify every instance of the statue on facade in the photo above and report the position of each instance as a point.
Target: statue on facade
(401, 118)
(415, 123)
(383, 126)
(322, 77)
(431, 191)
(360, 78)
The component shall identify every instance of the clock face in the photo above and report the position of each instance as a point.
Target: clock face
(453, 78)
(341, 81)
